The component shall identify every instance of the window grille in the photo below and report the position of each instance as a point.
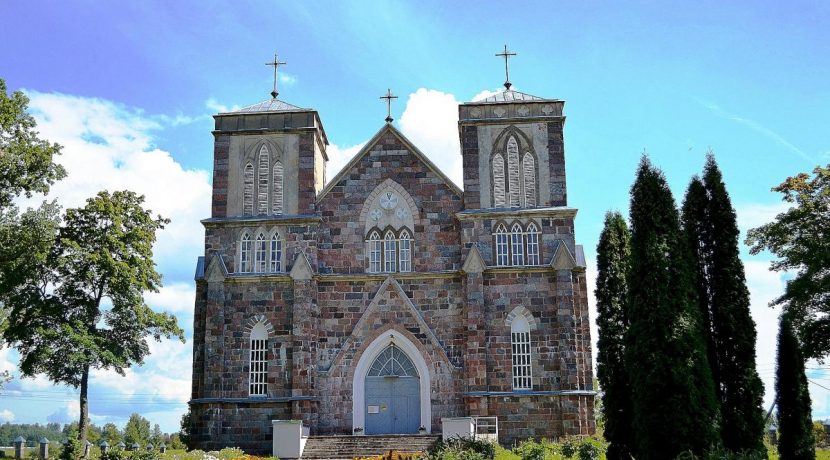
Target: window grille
(245, 265)
(513, 171)
(276, 254)
(374, 253)
(392, 362)
(406, 252)
(520, 354)
(502, 250)
(498, 181)
(248, 190)
(532, 239)
(258, 378)
(276, 200)
(262, 181)
(529, 170)
(517, 245)
(261, 250)
(390, 252)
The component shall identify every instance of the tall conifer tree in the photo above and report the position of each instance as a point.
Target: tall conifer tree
(665, 354)
(612, 266)
(795, 427)
(712, 232)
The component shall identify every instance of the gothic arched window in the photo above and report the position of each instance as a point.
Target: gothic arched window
(498, 181)
(263, 164)
(390, 251)
(405, 252)
(532, 244)
(248, 190)
(260, 254)
(502, 248)
(517, 245)
(276, 200)
(374, 249)
(258, 364)
(520, 353)
(529, 171)
(245, 265)
(513, 172)
(275, 254)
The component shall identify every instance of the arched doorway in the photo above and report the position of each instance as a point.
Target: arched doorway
(393, 403)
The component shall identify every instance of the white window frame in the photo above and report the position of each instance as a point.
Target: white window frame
(517, 252)
(532, 243)
(374, 249)
(405, 247)
(258, 362)
(502, 238)
(520, 354)
(275, 253)
(260, 254)
(390, 252)
(245, 250)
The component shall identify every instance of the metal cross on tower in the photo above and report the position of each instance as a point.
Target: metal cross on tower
(275, 64)
(389, 96)
(506, 55)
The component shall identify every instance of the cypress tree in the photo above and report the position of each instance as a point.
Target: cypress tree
(612, 266)
(795, 427)
(665, 354)
(712, 232)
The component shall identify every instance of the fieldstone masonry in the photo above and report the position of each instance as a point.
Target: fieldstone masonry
(323, 308)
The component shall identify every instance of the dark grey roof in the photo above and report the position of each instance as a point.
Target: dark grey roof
(270, 105)
(510, 96)
(200, 268)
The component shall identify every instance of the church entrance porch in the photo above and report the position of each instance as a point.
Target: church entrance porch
(392, 394)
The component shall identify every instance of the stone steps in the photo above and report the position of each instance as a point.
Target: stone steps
(349, 447)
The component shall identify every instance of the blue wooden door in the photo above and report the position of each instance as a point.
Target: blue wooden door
(393, 402)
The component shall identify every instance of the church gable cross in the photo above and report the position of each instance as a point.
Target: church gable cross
(506, 55)
(275, 64)
(389, 96)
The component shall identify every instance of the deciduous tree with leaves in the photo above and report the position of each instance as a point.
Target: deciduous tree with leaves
(85, 309)
(613, 256)
(800, 238)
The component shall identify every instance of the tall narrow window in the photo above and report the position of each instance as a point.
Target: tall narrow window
(275, 256)
(374, 249)
(390, 252)
(520, 354)
(517, 245)
(263, 164)
(260, 251)
(529, 171)
(498, 181)
(276, 200)
(248, 190)
(513, 172)
(258, 376)
(245, 265)
(406, 252)
(532, 240)
(502, 250)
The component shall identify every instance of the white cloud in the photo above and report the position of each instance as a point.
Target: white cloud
(175, 298)
(339, 157)
(6, 416)
(287, 79)
(69, 412)
(753, 215)
(107, 146)
(216, 106)
(430, 121)
(484, 94)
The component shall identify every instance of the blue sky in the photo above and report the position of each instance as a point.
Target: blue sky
(128, 89)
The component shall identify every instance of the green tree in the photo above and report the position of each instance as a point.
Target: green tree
(613, 255)
(156, 436)
(820, 434)
(111, 434)
(795, 427)
(711, 230)
(186, 429)
(95, 317)
(800, 238)
(665, 351)
(137, 430)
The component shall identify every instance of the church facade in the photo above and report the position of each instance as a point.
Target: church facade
(388, 298)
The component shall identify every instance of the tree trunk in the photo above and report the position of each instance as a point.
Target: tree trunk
(82, 424)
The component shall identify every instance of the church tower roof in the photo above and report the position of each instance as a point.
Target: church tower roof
(270, 105)
(511, 96)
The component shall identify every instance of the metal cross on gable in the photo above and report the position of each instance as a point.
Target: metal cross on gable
(275, 64)
(389, 96)
(506, 55)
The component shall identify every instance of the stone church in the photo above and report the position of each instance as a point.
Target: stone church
(387, 298)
